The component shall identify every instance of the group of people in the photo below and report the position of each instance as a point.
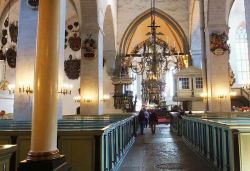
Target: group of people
(147, 118)
(240, 109)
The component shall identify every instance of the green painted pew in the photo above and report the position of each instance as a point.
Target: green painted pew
(222, 141)
(88, 143)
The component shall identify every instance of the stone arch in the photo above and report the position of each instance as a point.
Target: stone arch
(72, 2)
(168, 19)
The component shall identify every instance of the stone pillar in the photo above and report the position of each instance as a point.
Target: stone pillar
(26, 51)
(203, 54)
(92, 76)
(217, 74)
(44, 152)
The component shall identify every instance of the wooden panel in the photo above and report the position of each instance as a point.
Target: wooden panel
(23, 144)
(5, 140)
(244, 150)
(4, 164)
(79, 152)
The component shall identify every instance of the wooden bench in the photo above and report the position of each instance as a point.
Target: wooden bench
(88, 145)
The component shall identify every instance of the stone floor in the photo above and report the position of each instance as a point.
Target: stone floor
(162, 151)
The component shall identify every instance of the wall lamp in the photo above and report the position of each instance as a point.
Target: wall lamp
(233, 93)
(77, 99)
(221, 96)
(25, 88)
(66, 89)
(105, 98)
(203, 95)
(11, 88)
(87, 99)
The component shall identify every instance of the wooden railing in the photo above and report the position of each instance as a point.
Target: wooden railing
(89, 143)
(222, 141)
(6, 155)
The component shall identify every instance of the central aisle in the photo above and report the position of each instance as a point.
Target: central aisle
(162, 151)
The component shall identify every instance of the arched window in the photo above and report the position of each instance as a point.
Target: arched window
(243, 73)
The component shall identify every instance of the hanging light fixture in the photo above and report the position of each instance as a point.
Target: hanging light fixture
(152, 59)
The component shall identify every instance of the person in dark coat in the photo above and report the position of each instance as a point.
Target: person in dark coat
(153, 120)
(146, 114)
(78, 108)
(141, 119)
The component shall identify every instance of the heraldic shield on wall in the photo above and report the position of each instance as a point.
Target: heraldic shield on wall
(218, 43)
(89, 47)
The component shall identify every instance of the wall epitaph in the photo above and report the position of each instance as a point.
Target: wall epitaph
(218, 43)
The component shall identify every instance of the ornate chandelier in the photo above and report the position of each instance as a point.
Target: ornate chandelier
(152, 58)
(154, 54)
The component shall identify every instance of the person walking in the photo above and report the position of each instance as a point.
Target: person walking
(153, 120)
(141, 119)
(146, 114)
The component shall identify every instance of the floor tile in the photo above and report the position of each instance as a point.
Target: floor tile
(163, 151)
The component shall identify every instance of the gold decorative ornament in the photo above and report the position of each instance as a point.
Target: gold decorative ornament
(4, 85)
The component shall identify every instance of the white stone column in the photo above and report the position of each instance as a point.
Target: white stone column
(44, 138)
(26, 50)
(217, 75)
(92, 77)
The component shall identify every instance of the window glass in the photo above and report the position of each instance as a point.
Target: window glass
(242, 57)
(183, 83)
(198, 83)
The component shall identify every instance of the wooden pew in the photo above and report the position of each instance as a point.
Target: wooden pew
(88, 143)
(222, 141)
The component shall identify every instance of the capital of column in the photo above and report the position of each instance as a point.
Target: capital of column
(217, 27)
